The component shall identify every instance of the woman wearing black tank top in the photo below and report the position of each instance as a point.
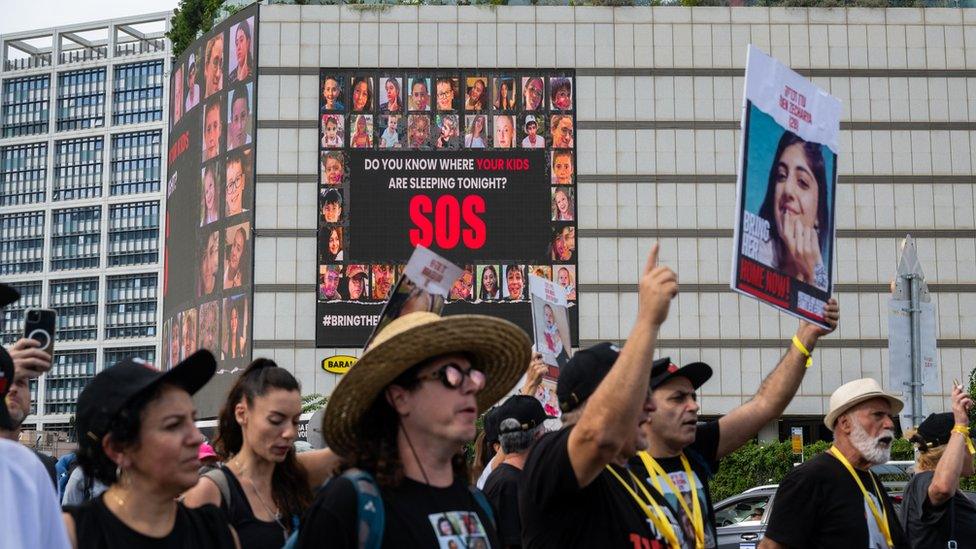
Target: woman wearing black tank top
(269, 486)
(137, 435)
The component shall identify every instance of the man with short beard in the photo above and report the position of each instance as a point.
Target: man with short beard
(833, 500)
(29, 360)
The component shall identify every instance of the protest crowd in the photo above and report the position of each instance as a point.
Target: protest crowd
(628, 467)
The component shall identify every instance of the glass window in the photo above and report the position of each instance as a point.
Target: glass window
(136, 162)
(71, 372)
(137, 94)
(76, 239)
(81, 99)
(130, 306)
(745, 510)
(76, 301)
(115, 355)
(78, 168)
(12, 316)
(23, 174)
(133, 233)
(21, 243)
(25, 104)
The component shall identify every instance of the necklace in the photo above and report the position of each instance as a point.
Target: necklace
(276, 515)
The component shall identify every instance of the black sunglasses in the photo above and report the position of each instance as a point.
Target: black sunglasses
(452, 376)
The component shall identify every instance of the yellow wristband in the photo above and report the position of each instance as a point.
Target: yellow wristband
(964, 431)
(803, 350)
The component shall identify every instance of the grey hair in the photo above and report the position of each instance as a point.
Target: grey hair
(571, 418)
(517, 441)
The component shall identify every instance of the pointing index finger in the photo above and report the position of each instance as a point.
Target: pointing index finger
(652, 258)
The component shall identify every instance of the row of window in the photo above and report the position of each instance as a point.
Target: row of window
(137, 96)
(73, 370)
(136, 166)
(76, 235)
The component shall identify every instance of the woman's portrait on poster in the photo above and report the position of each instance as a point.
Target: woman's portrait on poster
(210, 193)
(333, 131)
(362, 94)
(334, 246)
(242, 60)
(533, 93)
(209, 322)
(797, 210)
(447, 91)
(476, 94)
(189, 332)
(392, 98)
(209, 265)
(563, 206)
(234, 327)
(563, 245)
(476, 136)
(332, 98)
(234, 252)
(504, 90)
(488, 287)
(176, 96)
(333, 168)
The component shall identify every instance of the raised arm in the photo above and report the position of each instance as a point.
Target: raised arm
(533, 375)
(945, 481)
(610, 415)
(777, 390)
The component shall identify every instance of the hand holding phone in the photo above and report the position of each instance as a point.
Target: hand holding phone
(37, 348)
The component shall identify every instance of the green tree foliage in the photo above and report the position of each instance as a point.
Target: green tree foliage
(313, 402)
(191, 19)
(755, 465)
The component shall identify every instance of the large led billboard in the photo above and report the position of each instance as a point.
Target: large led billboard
(207, 282)
(477, 165)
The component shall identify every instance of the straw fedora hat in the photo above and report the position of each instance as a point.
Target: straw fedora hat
(497, 347)
(855, 392)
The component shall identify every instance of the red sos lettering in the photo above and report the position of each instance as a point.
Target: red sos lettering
(446, 227)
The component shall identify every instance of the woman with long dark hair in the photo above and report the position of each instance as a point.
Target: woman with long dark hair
(489, 284)
(797, 210)
(137, 435)
(242, 51)
(263, 486)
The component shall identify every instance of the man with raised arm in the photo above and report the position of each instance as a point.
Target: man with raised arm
(576, 489)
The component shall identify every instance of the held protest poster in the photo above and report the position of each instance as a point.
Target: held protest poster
(478, 166)
(784, 231)
(550, 323)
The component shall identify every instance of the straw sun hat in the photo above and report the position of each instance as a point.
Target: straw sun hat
(497, 347)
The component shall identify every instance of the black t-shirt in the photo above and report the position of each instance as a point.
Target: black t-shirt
(927, 525)
(701, 456)
(818, 504)
(416, 515)
(557, 512)
(201, 528)
(502, 491)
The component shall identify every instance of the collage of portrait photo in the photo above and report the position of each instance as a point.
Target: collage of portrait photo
(448, 111)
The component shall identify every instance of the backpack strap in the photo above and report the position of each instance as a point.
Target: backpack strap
(482, 501)
(370, 513)
(219, 477)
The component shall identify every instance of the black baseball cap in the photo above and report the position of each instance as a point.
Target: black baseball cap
(583, 374)
(935, 430)
(525, 409)
(696, 372)
(116, 386)
(8, 295)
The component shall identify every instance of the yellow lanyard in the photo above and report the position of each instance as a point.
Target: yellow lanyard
(880, 518)
(661, 523)
(655, 470)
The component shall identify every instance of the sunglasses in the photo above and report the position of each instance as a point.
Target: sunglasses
(452, 376)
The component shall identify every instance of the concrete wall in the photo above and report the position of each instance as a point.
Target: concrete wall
(659, 95)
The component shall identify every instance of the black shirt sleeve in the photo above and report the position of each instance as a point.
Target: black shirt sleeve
(705, 446)
(795, 510)
(549, 477)
(331, 520)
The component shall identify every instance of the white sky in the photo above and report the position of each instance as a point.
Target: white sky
(20, 15)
